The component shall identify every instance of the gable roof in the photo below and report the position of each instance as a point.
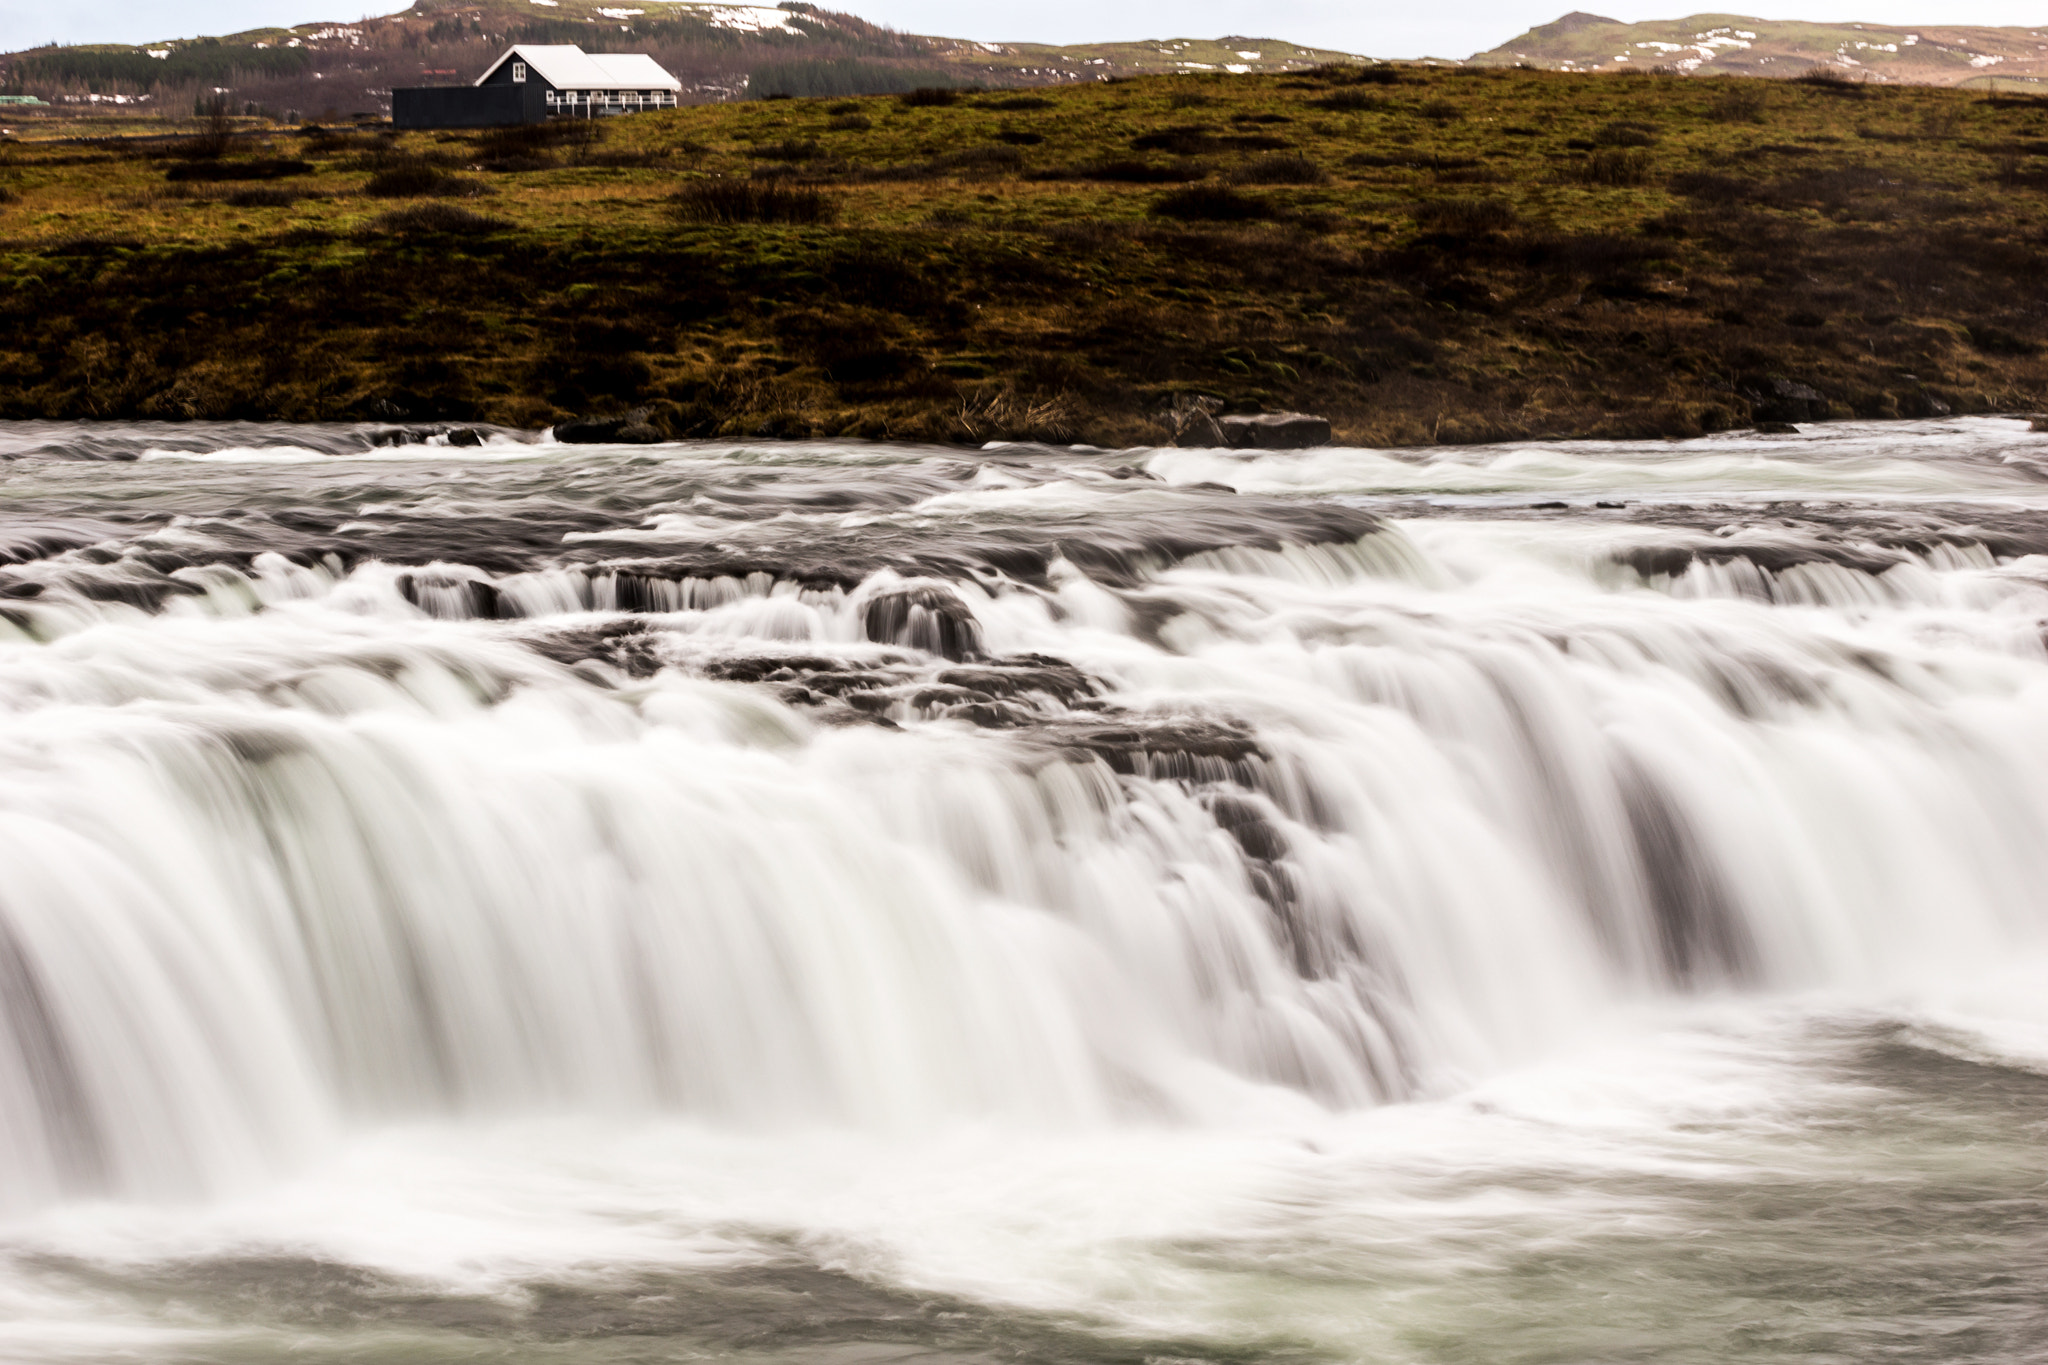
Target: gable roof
(567, 67)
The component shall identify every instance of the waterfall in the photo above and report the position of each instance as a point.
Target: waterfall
(1252, 818)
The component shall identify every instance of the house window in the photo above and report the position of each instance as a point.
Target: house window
(519, 73)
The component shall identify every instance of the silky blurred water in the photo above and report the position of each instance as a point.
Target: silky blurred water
(856, 903)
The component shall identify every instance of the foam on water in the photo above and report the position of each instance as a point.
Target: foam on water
(781, 901)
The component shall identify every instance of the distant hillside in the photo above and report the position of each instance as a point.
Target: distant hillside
(332, 69)
(1732, 45)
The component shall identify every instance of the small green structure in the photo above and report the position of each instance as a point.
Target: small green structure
(22, 101)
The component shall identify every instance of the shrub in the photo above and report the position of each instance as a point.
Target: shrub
(1282, 168)
(1019, 103)
(1467, 215)
(989, 160)
(415, 180)
(1020, 138)
(1354, 74)
(1741, 102)
(930, 97)
(1210, 203)
(1441, 112)
(1709, 188)
(261, 169)
(1618, 167)
(742, 201)
(262, 197)
(429, 218)
(1352, 101)
(1625, 135)
(1833, 80)
(849, 123)
(1134, 172)
(789, 149)
(530, 138)
(7, 196)
(844, 107)
(1186, 140)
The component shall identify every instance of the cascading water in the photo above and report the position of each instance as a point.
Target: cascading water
(776, 901)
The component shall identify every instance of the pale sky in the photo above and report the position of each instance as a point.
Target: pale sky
(1376, 29)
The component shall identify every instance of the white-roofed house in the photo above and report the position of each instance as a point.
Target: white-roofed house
(534, 82)
(585, 84)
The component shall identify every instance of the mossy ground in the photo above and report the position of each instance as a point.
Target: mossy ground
(1453, 256)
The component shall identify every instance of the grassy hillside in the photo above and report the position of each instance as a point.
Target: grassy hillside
(1735, 45)
(1422, 255)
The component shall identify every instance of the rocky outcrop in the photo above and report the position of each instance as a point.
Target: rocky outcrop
(626, 429)
(1774, 398)
(1276, 431)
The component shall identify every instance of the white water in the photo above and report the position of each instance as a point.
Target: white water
(337, 925)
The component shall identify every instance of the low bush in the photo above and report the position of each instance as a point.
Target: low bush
(262, 197)
(849, 123)
(1440, 112)
(1351, 73)
(745, 201)
(1742, 101)
(1614, 168)
(930, 97)
(1210, 203)
(984, 161)
(431, 218)
(789, 149)
(1467, 215)
(260, 169)
(1832, 79)
(1019, 103)
(1280, 168)
(1352, 101)
(416, 180)
(1625, 135)
(1134, 172)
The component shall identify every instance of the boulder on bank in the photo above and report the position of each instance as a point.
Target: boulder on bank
(625, 429)
(1774, 398)
(1198, 431)
(1275, 431)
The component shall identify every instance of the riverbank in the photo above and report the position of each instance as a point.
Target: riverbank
(1423, 256)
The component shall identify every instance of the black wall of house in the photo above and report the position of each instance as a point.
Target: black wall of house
(469, 106)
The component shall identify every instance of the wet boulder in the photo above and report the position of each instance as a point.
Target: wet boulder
(924, 616)
(1774, 398)
(627, 428)
(1275, 431)
(1199, 431)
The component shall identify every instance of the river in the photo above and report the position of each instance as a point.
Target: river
(1575, 903)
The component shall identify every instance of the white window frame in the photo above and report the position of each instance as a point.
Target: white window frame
(519, 73)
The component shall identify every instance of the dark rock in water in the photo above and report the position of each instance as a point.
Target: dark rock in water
(1177, 749)
(1921, 403)
(1199, 431)
(626, 428)
(465, 436)
(1777, 429)
(1276, 431)
(930, 617)
(1774, 398)
(2039, 424)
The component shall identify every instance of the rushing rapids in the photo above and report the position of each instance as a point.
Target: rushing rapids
(1248, 863)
